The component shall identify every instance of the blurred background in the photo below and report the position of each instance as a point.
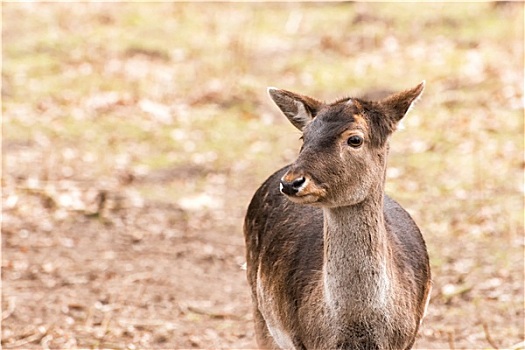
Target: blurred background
(134, 136)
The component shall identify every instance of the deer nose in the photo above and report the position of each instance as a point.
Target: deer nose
(292, 187)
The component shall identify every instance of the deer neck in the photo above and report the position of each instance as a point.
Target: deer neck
(355, 269)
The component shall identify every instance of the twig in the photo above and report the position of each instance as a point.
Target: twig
(211, 314)
(105, 324)
(140, 323)
(11, 305)
(488, 337)
(518, 346)
(137, 277)
(451, 344)
(44, 342)
(89, 318)
(40, 192)
(35, 337)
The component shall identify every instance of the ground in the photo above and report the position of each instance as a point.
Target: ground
(134, 136)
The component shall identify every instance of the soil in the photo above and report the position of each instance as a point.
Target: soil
(124, 275)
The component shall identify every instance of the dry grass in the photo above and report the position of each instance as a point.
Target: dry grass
(135, 134)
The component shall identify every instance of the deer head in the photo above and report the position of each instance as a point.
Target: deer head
(345, 145)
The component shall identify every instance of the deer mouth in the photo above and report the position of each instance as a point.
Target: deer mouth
(304, 198)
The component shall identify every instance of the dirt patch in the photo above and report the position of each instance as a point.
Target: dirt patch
(145, 276)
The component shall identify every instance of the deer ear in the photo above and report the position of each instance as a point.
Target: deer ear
(300, 110)
(398, 105)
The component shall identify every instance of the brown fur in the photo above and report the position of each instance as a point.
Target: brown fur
(349, 270)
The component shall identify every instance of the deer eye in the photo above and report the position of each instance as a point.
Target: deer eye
(355, 141)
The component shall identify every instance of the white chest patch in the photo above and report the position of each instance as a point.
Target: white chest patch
(426, 305)
(268, 310)
(383, 287)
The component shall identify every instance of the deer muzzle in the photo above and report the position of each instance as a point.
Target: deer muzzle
(301, 188)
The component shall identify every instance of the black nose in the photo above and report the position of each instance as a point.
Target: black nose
(291, 188)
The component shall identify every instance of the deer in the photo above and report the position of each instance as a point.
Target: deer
(332, 261)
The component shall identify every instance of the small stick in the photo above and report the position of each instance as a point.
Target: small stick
(33, 338)
(518, 346)
(11, 305)
(451, 344)
(89, 318)
(211, 314)
(488, 337)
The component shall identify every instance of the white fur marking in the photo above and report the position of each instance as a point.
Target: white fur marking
(417, 98)
(426, 306)
(305, 183)
(383, 286)
(280, 336)
(350, 102)
(326, 290)
(302, 115)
